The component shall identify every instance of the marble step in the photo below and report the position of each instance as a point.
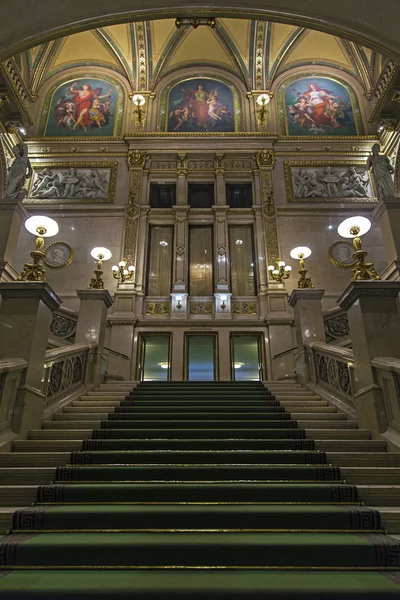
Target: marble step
(85, 401)
(73, 445)
(81, 434)
(373, 495)
(74, 414)
(351, 475)
(341, 459)
(370, 475)
(104, 407)
(92, 423)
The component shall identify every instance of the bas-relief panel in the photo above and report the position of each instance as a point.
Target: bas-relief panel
(201, 105)
(318, 106)
(313, 181)
(83, 107)
(72, 182)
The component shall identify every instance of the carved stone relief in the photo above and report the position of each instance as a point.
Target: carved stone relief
(244, 308)
(307, 182)
(72, 182)
(201, 308)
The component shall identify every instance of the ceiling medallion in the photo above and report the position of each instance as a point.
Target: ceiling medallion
(195, 22)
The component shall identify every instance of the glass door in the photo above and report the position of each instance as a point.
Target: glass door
(201, 357)
(247, 357)
(154, 362)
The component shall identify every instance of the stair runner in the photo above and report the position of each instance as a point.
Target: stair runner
(195, 490)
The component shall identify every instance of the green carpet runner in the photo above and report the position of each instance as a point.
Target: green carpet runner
(198, 490)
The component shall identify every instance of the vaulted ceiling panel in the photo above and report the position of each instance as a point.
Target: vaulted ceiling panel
(201, 46)
(318, 47)
(83, 47)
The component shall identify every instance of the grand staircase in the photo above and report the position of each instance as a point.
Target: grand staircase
(193, 490)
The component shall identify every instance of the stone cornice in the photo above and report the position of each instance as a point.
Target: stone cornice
(103, 295)
(306, 294)
(31, 290)
(368, 289)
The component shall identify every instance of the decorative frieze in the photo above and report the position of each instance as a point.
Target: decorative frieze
(313, 181)
(72, 182)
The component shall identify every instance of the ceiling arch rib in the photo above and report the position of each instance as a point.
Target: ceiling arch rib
(106, 38)
(294, 38)
(169, 49)
(231, 47)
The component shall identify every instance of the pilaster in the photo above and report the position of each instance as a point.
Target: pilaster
(12, 215)
(181, 247)
(374, 323)
(388, 216)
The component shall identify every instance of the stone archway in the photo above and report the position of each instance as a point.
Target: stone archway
(372, 24)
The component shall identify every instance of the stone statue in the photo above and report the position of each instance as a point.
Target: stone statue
(19, 171)
(382, 171)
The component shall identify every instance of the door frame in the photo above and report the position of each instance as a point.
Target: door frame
(141, 336)
(186, 348)
(262, 367)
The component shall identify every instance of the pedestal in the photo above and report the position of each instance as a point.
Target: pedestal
(280, 333)
(388, 216)
(91, 326)
(12, 215)
(26, 313)
(309, 325)
(374, 323)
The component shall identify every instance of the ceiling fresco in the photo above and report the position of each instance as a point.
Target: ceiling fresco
(256, 52)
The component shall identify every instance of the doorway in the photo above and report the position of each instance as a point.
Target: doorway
(201, 357)
(154, 359)
(247, 357)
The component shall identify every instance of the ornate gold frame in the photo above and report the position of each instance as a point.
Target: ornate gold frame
(112, 165)
(289, 164)
(68, 262)
(336, 262)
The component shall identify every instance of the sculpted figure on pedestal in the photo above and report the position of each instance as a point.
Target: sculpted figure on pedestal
(19, 171)
(382, 171)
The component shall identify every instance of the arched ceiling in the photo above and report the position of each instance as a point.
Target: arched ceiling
(257, 52)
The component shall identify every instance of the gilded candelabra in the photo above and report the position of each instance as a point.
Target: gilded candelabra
(279, 271)
(301, 253)
(42, 227)
(100, 254)
(123, 273)
(355, 227)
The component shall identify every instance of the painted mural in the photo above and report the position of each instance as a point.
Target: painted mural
(201, 105)
(86, 107)
(319, 106)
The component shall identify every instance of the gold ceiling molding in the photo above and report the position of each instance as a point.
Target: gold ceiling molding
(259, 57)
(141, 54)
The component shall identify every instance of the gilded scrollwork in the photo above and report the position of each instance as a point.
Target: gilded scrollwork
(244, 308)
(65, 375)
(158, 309)
(333, 374)
(201, 308)
(63, 327)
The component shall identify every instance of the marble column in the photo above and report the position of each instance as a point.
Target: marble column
(181, 251)
(181, 185)
(12, 215)
(91, 326)
(26, 313)
(309, 325)
(388, 216)
(374, 323)
(220, 181)
(224, 355)
(221, 250)
(280, 333)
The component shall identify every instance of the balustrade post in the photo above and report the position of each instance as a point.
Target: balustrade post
(374, 323)
(387, 213)
(309, 326)
(91, 326)
(26, 313)
(12, 215)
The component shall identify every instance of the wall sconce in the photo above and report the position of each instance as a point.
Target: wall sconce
(139, 100)
(263, 100)
(100, 254)
(178, 302)
(302, 252)
(279, 271)
(42, 227)
(121, 273)
(355, 227)
(223, 301)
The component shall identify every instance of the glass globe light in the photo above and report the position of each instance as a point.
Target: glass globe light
(300, 252)
(43, 226)
(354, 227)
(101, 253)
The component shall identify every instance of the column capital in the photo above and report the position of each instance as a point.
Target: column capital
(368, 289)
(304, 294)
(385, 204)
(102, 295)
(30, 290)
